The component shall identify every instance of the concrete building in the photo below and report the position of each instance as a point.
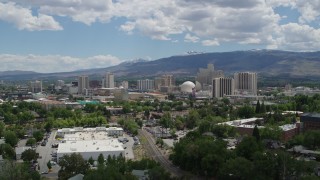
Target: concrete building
(83, 84)
(246, 83)
(91, 148)
(108, 80)
(205, 76)
(90, 142)
(222, 87)
(145, 85)
(111, 131)
(36, 86)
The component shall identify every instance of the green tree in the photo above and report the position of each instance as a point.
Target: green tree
(38, 135)
(2, 128)
(91, 161)
(101, 159)
(71, 165)
(238, 168)
(256, 133)
(245, 112)
(192, 119)
(31, 142)
(11, 138)
(29, 155)
(7, 151)
(49, 165)
(258, 108)
(247, 147)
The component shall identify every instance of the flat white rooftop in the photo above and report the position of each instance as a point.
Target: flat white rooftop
(86, 136)
(110, 145)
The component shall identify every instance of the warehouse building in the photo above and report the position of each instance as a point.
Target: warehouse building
(91, 148)
(90, 142)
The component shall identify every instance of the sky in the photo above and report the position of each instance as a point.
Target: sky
(67, 35)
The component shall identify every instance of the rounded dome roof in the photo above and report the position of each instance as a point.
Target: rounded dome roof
(187, 87)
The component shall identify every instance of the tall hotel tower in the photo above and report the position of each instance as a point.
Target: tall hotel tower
(222, 86)
(246, 82)
(109, 80)
(83, 84)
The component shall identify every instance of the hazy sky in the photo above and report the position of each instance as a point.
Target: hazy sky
(65, 35)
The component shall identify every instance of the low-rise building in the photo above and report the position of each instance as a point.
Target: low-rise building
(91, 148)
(20, 150)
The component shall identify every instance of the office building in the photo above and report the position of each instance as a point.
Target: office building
(246, 83)
(145, 85)
(222, 87)
(205, 76)
(125, 84)
(83, 84)
(108, 80)
(36, 86)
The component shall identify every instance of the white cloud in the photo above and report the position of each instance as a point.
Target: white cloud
(211, 22)
(23, 18)
(298, 37)
(54, 63)
(190, 38)
(210, 42)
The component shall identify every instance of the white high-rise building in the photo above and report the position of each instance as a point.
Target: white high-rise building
(205, 76)
(246, 83)
(222, 86)
(146, 84)
(109, 80)
(83, 84)
(36, 86)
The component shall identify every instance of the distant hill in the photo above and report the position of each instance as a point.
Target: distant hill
(265, 62)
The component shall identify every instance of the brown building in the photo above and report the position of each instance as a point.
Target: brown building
(310, 121)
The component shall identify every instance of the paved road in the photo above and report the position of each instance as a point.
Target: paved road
(45, 152)
(158, 156)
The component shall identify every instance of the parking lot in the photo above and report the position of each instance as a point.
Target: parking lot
(45, 153)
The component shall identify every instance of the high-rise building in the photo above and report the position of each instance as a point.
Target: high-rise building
(145, 85)
(246, 82)
(205, 76)
(109, 80)
(36, 86)
(83, 84)
(222, 86)
(167, 80)
(125, 84)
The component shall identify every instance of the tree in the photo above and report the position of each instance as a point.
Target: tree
(9, 169)
(256, 133)
(91, 161)
(247, 147)
(245, 112)
(101, 159)
(49, 165)
(38, 135)
(7, 151)
(238, 168)
(31, 142)
(29, 155)
(258, 108)
(71, 165)
(2, 128)
(11, 138)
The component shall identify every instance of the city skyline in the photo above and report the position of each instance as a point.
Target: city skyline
(58, 36)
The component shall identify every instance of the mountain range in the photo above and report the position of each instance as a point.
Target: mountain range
(265, 62)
